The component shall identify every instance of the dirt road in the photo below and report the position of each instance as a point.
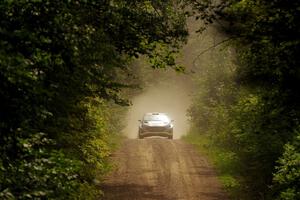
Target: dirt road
(161, 169)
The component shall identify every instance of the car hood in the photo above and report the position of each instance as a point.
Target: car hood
(156, 123)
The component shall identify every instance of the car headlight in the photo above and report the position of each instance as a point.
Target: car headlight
(170, 126)
(144, 125)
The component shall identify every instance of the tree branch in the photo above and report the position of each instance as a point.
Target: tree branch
(215, 45)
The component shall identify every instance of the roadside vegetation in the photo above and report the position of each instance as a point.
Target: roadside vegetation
(63, 65)
(224, 162)
(246, 113)
(66, 68)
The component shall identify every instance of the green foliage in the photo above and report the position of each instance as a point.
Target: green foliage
(287, 176)
(259, 132)
(265, 111)
(63, 65)
(40, 172)
(225, 161)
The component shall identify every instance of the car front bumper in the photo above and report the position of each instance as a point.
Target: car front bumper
(156, 131)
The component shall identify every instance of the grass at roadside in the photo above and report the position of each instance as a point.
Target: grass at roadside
(224, 161)
(115, 141)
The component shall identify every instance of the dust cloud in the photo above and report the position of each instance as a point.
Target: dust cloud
(173, 92)
(171, 97)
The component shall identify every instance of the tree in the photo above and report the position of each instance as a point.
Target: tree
(265, 117)
(58, 59)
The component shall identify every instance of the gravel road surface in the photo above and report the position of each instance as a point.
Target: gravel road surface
(161, 169)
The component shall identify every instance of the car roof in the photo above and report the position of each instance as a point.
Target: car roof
(156, 113)
(156, 116)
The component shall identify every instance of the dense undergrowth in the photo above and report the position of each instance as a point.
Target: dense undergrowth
(63, 168)
(63, 65)
(248, 110)
(225, 162)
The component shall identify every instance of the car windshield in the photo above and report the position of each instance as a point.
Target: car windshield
(156, 118)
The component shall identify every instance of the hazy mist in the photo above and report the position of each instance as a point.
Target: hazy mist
(170, 98)
(172, 92)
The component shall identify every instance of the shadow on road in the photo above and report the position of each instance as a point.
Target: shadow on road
(131, 192)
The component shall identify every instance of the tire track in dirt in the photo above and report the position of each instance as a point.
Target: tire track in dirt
(161, 169)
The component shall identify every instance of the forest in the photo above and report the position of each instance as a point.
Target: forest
(67, 77)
